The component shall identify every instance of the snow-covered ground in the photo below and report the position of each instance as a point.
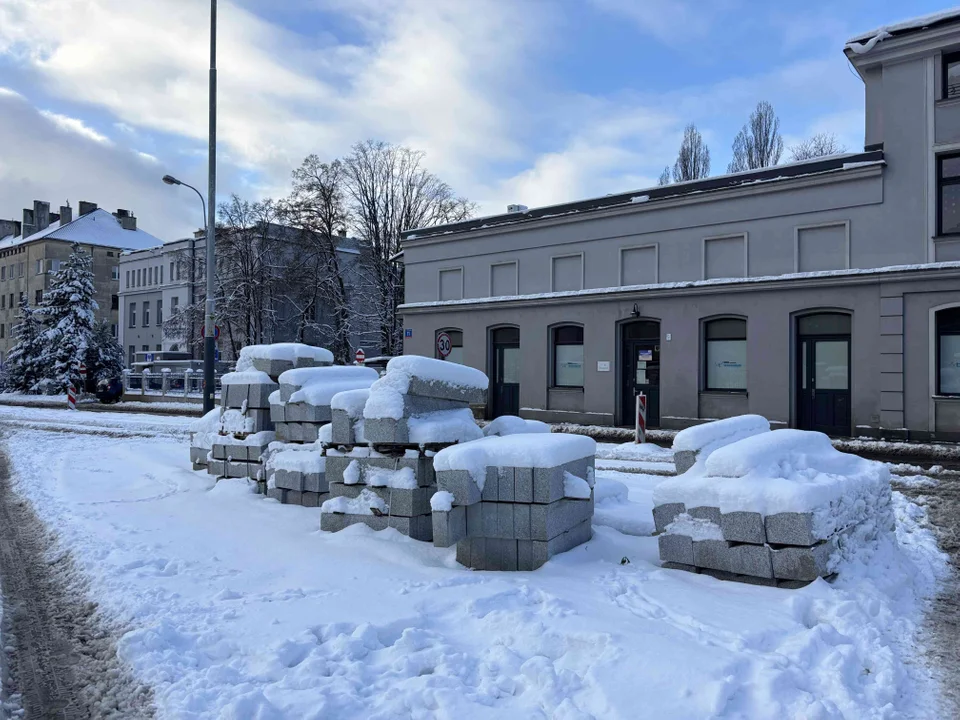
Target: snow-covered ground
(240, 607)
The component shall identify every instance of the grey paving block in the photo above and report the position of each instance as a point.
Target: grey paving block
(258, 396)
(342, 431)
(744, 527)
(238, 469)
(712, 554)
(547, 484)
(523, 485)
(293, 412)
(286, 390)
(665, 514)
(736, 577)
(790, 529)
(278, 412)
(491, 519)
(508, 555)
(577, 467)
(680, 566)
(261, 419)
(505, 523)
(277, 494)
(310, 431)
(506, 484)
(414, 405)
(676, 548)
(387, 431)
(478, 550)
(711, 514)
(288, 479)
(217, 468)
(543, 551)
(315, 482)
(449, 528)
(233, 396)
(525, 555)
(521, 521)
(281, 431)
(463, 551)
(273, 368)
(495, 551)
(312, 413)
(474, 519)
(313, 499)
(549, 521)
(353, 491)
(460, 484)
(409, 502)
(198, 455)
(334, 522)
(490, 492)
(754, 560)
(199, 465)
(684, 460)
(335, 465)
(445, 391)
(808, 563)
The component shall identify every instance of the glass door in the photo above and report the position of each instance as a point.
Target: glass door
(823, 390)
(505, 398)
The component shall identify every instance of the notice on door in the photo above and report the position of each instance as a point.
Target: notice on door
(645, 355)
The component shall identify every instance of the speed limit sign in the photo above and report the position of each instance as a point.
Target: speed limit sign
(444, 345)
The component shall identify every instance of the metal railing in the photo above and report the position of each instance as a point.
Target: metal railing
(166, 383)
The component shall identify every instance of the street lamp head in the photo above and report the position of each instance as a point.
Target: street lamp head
(171, 180)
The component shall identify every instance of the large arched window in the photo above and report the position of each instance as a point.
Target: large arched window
(568, 356)
(948, 351)
(455, 345)
(725, 354)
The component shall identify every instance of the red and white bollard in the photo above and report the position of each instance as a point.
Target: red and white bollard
(641, 436)
(72, 397)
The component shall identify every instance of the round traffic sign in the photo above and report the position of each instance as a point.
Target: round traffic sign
(216, 331)
(444, 345)
(361, 356)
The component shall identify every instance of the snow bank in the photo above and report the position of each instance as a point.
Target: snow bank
(351, 401)
(203, 431)
(720, 432)
(247, 377)
(445, 426)
(513, 425)
(363, 504)
(281, 351)
(543, 451)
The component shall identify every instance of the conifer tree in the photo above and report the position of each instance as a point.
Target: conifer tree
(104, 354)
(22, 366)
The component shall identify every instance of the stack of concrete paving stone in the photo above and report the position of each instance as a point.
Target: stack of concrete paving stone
(513, 502)
(296, 474)
(697, 442)
(778, 508)
(382, 443)
(203, 432)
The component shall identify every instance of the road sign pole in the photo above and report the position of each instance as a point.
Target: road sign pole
(641, 430)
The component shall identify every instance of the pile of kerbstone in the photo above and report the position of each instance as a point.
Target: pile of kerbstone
(379, 461)
(513, 502)
(295, 465)
(779, 508)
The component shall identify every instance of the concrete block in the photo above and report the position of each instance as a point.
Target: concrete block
(288, 479)
(293, 412)
(294, 497)
(509, 555)
(217, 468)
(315, 483)
(752, 560)
(491, 559)
(505, 484)
(735, 577)
(334, 522)
(521, 522)
(420, 405)
(478, 553)
(386, 431)
(547, 484)
(712, 554)
(233, 396)
(491, 519)
(549, 521)
(342, 431)
(525, 555)
(543, 551)
(711, 514)
(523, 485)
(238, 469)
(490, 492)
(803, 563)
(461, 484)
(258, 396)
(665, 514)
(474, 519)
(676, 548)
(353, 491)
(744, 527)
(505, 524)
(310, 432)
(280, 428)
(409, 502)
(277, 494)
(313, 499)
(198, 455)
(449, 528)
(684, 460)
(295, 432)
(790, 529)
(286, 390)
(445, 391)
(463, 551)
(679, 566)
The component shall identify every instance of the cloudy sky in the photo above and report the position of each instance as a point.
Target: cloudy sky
(532, 101)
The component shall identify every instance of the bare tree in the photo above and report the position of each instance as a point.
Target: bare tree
(759, 143)
(664, 177)
(693, 160)
(390, 191)
(820, 145)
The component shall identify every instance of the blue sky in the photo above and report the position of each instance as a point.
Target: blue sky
(531, 101)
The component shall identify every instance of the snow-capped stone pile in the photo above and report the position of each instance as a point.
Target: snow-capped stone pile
(296, 474)
(380, 457)
(778, 508)
(512, 502)
(697, 442)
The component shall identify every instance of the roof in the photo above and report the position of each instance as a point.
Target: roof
(777, 173)
(95, 228)
(917, 24)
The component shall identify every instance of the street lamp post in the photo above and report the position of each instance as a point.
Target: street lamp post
(170, 180)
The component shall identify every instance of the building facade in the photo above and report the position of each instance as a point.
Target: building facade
(34, 249)
(823, 295)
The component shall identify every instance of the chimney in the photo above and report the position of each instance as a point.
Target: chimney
(66, 214)
(9, 227)
(86, 207)
(29, 228)
(41, 215)
(342, 232)
(517, 208)
(126, 219)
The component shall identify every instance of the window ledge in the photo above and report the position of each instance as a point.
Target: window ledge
(946, 238)
(954, 398)
(565, 388)
(724, 392)
(947, 102)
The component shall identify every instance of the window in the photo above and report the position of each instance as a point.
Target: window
(159, 313)
(161, 274)
(145, 348)
(171, 271)
(3, 302)
(133, 315)
(20, 269)
(38, 297)
(725, 354)
(159, 347)
(2, 329)
(114, 302)
(137, 282)
(3, 272)
(456, 345)
(55, 265)
(115, 272)
(146, 314)
(132, 353)
(948, 194)
(174, 302)
(23, 296)
(127, 284)
(11, 300)
(568, 356)
(951, 76)
(948, 351)
(39, 267)
(109, 253)
(150, 276)
(113, 330)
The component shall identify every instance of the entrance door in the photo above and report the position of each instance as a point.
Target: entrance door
(505, 395)
(823, 390)
(640, 345)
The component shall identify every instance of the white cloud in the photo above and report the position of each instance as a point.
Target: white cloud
(75, 125)
(670, 21)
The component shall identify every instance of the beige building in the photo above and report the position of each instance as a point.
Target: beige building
(34, 248)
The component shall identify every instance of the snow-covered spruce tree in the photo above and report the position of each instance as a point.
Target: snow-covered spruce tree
(104, 354)
(67, 313)
(22, 369)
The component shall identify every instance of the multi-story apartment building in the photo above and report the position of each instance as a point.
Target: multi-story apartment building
(823, 294)
(34, 248)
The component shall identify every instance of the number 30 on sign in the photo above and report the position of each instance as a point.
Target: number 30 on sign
(444, 345)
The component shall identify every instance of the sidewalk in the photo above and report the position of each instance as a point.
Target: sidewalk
(93, 405)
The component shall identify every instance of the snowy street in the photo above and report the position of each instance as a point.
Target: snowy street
(230, 605)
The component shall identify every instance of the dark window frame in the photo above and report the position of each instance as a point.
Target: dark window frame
(555, 341)
(948, 60)
(940, 333)
(447, 330)
(941, 183)
(706, 351)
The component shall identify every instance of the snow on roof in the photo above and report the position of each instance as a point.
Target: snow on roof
(917, 23)
(95, 228)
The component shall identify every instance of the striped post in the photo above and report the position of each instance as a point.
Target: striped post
(72, 397)
(641, 436)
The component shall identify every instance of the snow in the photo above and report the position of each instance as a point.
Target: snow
(695, 528)
(647, 452)
(575, 487)
(233, 420)
(546, 451)
(915, 23)
(288, 351)
(720, 432)
(295, 460)
(246, 377)
(351, 473)
(441, 501)
(95, 228)
(386, 395)
(445, 426)
(264, 437)
(402, 478)
(364, 504)
(318, 385)
(361, 624)
(513, 425)
(350, 401)
(205, 430)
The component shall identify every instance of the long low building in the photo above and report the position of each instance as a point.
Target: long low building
(824, 295)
